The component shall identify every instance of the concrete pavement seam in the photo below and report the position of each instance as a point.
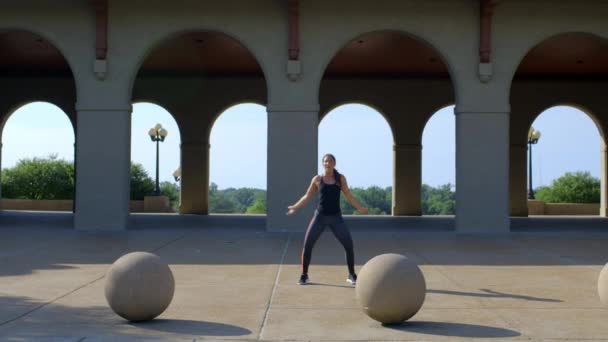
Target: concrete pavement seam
(52, 301)
(169, 242)
(276, 282)
(78, 288)
(510, 324)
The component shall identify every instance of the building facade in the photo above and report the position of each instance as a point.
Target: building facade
(501, 63)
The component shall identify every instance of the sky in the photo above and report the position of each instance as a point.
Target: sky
(357, 135)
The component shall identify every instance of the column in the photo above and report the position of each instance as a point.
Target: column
(518, 180)
(292, 162)
(604, 180)
(0, 168)
(195, 178)
(482, 171)
(407, 180)
(103, 140)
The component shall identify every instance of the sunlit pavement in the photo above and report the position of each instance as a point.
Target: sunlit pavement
(240, 283)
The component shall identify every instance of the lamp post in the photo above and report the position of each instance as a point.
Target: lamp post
(177, 174)
(157, 134)
(533, 136)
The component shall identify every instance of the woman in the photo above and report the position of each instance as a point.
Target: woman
(327, 213)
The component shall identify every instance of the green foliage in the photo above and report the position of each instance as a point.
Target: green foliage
(53, 179)
(50, 178)
(438, 201)
(39, 178)
(435, 201)
(219, 202)
(376, 199)
(259, 206)
(171, 190)
(141, 184)
(577, 187)
(237, 201)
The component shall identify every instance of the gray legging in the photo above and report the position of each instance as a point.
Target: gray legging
(338, 227)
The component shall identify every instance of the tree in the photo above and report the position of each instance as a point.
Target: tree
(438, 201)
(242, 197)
(577, 187)
(220, 203)
(141, 184)
(375, 199)
(259, 206)
(53, 179)
(39, 179)
(171, 190)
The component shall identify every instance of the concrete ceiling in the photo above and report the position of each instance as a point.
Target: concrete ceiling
(572, 54)
(378, 54)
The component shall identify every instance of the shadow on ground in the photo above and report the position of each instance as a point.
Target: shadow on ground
(189, 327)
(23, 317)
(495, 294)
(454, 329)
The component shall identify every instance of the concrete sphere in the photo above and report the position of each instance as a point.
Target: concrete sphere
(602, 285)
(390, 288)
(139, 286)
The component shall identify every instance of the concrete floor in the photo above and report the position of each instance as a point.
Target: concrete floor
(240, 283)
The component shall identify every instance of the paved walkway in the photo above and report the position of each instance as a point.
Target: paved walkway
(241, 284)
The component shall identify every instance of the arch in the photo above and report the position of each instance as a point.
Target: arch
(170, 154)
(167, 37)
(375, 125)
(55, 43)
(433, 112)
(362, 103)
(226, 108)
(262, 123)
(547, 39)
(18, 150)
(576, 106)
(562, 149)
(418, 38)
(167, 108)
(13, 108)
(452, 143)
(21, 105)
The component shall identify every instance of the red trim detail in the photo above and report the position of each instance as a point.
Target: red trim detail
(101, 28)
(293, 9)
(485, 39)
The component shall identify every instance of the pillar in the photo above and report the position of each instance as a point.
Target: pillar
(195, 178)
(103, 140)
(0, 167)
(518, 180)
(604, 179)
(407, 180)
(482, 171)
(292, 162)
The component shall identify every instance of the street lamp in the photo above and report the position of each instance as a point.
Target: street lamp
(177, 174)
(157, 134)
(533, 136)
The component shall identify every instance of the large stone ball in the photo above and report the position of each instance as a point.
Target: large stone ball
(390, 288)
(139, 286)
(602, 285)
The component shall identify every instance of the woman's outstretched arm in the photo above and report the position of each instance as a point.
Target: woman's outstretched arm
(312, 189)
(349, 196)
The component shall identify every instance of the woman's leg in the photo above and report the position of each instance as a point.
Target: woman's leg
(343, 235)
(315, 228)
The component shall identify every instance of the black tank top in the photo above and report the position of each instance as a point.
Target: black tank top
(329, 201)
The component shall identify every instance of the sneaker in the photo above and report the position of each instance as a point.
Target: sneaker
(352, 279)
(303, 279)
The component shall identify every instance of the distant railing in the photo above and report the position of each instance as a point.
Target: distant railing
(150, 204)
(536, 207)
